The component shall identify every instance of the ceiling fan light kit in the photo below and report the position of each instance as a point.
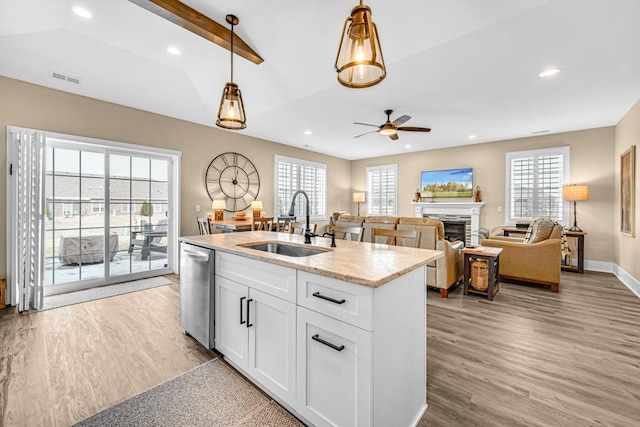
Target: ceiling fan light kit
(391, 128)
(359, 62)
(231, 112)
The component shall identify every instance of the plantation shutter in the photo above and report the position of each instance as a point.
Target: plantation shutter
(382, 189)
(292, 175)
(535, 181)
(25, 214)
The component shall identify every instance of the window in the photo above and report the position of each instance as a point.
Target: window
(294, 174)
(70, 209)
(534, 184)
(157, 207)
(382, 190)
(97, 207)
(127, 207)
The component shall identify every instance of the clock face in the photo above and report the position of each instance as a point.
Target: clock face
(234, 178)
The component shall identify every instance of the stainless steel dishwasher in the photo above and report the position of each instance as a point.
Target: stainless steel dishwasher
(196, 292)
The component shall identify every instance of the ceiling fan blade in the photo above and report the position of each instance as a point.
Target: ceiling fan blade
(366, 133)
(365, 124)
(393, 136)
(414, 129)
(402, 119)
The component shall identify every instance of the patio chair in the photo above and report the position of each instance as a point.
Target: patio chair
(150, 240)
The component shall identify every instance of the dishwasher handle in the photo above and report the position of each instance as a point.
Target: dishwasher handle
(194, 253)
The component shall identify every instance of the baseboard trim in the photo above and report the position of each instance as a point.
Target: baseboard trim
(603, 267)
(628, 280)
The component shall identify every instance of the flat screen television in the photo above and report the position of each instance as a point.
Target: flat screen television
(447, 183)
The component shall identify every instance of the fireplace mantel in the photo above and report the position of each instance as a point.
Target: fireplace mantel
(471, 209)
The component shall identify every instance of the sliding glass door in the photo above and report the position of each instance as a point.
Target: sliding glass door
(138, 205)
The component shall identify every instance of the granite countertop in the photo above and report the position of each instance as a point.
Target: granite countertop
(365, 264)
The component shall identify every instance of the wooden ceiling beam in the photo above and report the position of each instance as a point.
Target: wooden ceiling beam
(194, 21)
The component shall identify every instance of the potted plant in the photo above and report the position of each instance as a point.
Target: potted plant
(146, 210)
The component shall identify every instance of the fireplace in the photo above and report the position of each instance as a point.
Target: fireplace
(455, 231)
(464, 212)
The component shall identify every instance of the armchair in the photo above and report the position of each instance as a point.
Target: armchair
(535, 258)
(150, 240)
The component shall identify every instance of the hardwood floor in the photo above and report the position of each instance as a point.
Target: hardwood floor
(530, 357)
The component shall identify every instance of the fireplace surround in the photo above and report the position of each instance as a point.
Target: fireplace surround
(454, 211)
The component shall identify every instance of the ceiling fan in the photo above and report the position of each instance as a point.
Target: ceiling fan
(390, 128)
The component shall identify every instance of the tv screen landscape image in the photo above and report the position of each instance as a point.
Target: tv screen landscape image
(447, 183)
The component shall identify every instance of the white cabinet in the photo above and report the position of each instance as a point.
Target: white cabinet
(255, 330)
(361, 351)
(334, 371)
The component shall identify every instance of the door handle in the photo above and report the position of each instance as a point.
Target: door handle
(248, 313)
(316, 337)
(242, 322)
(335, 301)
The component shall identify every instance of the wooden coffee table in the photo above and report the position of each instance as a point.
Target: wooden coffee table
(492, 257)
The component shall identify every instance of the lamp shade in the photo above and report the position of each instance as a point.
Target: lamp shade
(359, 62)
(219, 204)
(575, 192)
(358, 197)
(256, 204)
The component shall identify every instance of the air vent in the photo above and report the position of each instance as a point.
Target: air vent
(70, 79)
(538, 132)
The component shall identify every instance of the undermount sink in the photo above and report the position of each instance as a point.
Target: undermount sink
(284, 249)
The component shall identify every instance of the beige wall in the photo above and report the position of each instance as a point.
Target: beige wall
(31, 106)
(627, 247)
(592, 158)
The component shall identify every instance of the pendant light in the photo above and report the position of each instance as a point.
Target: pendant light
(231, 111)
(359, 62)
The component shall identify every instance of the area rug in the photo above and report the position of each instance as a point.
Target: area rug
(211, 394)
(56, 301)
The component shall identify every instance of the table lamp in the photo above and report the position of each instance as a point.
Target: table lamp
(573, 193)
(256, 205)
(218, 207)
(358, 198)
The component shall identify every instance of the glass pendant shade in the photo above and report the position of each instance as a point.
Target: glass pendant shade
(359, 62)
(231, 111)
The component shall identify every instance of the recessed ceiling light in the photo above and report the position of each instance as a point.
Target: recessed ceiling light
(472, 137)
(174, 50)
(308, 145)
(307, 132)
(82, 12)
(550, 72)
(407, 146)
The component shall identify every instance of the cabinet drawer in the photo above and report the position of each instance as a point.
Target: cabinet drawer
(340, 300)
(272, 279)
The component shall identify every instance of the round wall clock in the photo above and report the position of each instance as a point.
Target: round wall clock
(234, 178)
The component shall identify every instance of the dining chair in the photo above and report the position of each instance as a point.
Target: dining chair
(265, 224)
(354, 233)
(284, 224)
(408, 238)
(298, 228)
(203, 225)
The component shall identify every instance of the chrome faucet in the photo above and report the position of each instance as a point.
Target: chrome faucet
(307, 232)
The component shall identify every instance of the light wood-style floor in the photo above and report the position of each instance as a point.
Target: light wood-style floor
(530, 357)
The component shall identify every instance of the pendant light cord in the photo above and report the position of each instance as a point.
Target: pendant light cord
(232, 51)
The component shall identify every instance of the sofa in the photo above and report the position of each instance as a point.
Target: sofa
(442, 273)
(535, 258)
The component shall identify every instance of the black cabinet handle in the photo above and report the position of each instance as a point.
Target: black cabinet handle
(248, 308)
(242, 322)
(316, 337)
(335, 301)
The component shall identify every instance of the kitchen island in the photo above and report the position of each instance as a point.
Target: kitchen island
(337, 337)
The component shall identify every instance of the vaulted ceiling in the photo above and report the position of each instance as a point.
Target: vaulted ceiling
(460, 67)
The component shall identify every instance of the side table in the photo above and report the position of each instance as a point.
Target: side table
(492, 257)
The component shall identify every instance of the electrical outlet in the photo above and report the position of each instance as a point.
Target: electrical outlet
(499, 208)
(197, 208)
